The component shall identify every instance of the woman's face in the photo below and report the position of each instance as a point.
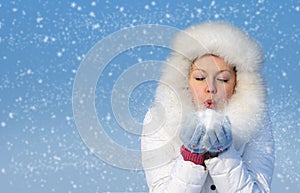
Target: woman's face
(212, 82)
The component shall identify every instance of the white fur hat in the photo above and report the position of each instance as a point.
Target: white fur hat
(247, 107)
(221, 39)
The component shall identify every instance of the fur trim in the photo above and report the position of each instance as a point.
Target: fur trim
(223, 40)
(247, 107)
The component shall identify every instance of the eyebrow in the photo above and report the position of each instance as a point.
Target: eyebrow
(218, 72)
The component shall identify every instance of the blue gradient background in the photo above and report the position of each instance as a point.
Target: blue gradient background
(42, 44)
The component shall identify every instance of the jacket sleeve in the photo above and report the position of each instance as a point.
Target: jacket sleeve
(165, 169)
(177, 176)
(250, 172)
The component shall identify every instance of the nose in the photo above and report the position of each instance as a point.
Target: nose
(211, 87)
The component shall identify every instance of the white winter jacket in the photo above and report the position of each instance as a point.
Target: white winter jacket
(247, 166)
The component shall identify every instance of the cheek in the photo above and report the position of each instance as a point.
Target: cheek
(196, 90)
(226, 92)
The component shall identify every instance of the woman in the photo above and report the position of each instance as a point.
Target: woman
(208, 130)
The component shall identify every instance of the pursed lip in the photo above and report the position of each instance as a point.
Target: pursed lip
(209, 104)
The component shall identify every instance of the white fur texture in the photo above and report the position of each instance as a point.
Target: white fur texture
(247, 107)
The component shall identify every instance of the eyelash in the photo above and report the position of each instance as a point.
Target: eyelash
(203, 78)
(223, 80)
(199, 78)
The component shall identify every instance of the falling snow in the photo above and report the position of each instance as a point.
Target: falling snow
(42, 46)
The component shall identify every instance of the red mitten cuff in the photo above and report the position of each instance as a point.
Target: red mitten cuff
(196, 158)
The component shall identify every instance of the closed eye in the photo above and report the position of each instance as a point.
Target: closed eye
(199, 78)
(223, 80)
